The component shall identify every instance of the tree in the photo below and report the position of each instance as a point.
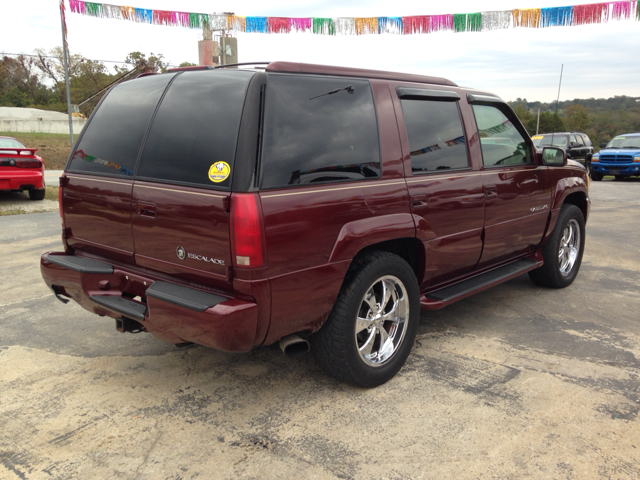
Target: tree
(19, 83)
(139, 58)
(577, 118)
(523, 114)
(188, 64)
(549, 123)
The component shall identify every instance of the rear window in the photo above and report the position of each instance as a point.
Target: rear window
(193, 137)
(10, 143)
(436, 137)
(111, 142)
(318, 130)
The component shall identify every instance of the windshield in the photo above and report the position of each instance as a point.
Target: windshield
(625, 142)
(10, 143)
(558, 140)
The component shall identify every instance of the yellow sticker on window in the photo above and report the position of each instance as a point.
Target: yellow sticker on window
(619, 138)
(219, 172)
(537, 137)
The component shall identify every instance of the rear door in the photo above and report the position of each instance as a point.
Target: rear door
(445, 190)
(181, 193)
(97, 195)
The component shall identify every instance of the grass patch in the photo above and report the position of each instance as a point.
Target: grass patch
(52, 147)
(51, 193)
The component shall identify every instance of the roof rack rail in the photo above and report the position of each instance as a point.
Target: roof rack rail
(194, 67)
(241, 64)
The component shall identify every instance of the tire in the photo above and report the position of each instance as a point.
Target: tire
(587, 167)
(356, 344)
(618, 178)
(37, 194)
(596, 177)
(563, 253)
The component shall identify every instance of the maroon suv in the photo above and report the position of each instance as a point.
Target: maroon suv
(311, 205)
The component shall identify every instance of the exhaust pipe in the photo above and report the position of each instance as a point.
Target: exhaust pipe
(294, 346)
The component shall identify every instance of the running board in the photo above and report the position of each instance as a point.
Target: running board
(126, 307)
(448, 295)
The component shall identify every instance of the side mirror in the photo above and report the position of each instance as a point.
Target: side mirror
(603, 145)
(574, 144)
(553, 157)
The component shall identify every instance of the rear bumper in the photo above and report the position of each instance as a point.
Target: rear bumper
(169, 311)
(21, 179)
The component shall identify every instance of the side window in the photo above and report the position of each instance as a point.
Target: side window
(586, 139)
(436, 137)
(112, 140)
(501, 142)
(194, 134)
(575, 139)
(318, 130)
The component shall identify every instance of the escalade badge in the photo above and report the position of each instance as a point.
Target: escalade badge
(181, 252)
(540, 208)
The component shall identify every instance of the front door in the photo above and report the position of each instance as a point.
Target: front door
(517, 189)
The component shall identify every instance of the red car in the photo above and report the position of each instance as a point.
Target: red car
(319, 207)
(21, 169)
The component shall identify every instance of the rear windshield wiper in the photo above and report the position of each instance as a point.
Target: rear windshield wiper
(348, 88)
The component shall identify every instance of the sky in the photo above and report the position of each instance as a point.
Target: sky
(600, 61)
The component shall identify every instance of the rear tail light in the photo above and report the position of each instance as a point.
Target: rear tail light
(247, 231)
(28, 163)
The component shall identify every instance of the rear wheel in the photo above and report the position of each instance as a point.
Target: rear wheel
(563, 253)
(618, 178)
(36, 194)
(371, 329)
(596, 177)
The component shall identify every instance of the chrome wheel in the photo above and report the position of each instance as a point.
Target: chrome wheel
(382, 320)
(569, 247)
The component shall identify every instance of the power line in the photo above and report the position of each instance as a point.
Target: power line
(83, 58)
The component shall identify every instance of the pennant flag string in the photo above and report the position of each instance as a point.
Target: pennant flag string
(594, 13)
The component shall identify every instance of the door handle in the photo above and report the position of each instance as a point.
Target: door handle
(529, 180)
(147, 210)
(418, 200)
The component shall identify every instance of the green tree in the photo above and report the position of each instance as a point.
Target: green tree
(523, 114)
(576, 118)
(549, 123)
(188, 64)
(155, 61)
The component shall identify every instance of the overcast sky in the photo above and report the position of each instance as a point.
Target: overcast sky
(599, 60)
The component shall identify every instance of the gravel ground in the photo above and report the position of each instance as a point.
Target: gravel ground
(17, 203)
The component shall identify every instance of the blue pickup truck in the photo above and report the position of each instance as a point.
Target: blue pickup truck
(620, 158)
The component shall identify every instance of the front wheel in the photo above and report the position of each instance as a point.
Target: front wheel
(371, 329)
(596, 177)
(563, 253)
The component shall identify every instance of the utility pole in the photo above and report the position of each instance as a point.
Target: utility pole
(223, 44)
(65, 54)
(538, 125)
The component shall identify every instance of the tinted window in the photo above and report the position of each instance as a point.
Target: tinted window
(317, 131)
(436, 137)
(502, 143)
(194, 134)
(552, 139)
(586, 139)
(112, 140)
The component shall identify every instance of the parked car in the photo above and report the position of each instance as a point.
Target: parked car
(577, 145)
(620, 158)
(318, 207)
(21, 169)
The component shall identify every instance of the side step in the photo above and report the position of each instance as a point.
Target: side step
(121, 305)
(81, 264)
(447, 295)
